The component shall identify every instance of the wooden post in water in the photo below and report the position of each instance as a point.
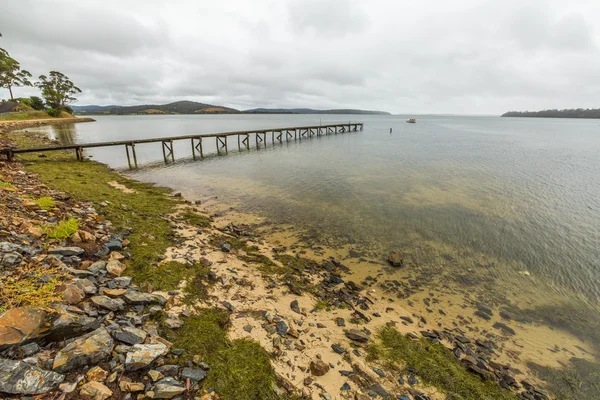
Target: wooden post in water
(193, 149)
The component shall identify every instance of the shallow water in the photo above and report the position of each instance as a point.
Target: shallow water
(514, 194)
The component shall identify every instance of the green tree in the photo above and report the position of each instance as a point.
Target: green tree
(37, 103)
(58, 90)
(11, 74)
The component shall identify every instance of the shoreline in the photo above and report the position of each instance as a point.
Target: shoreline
(259, 288)
(10, 125)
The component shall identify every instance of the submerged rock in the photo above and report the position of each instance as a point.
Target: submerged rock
(396, 260)
(18, 377)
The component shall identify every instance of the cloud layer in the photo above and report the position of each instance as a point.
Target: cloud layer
(464, 56)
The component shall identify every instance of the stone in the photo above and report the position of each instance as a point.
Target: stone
(66, 324)
(225, 247)
(86, 285)
(97, 267)
(67, 251)
(114, 245)
(21, 325)
(318, 367)
(138, 298)
(195, 374)
(129, 335)
(95, 391)
(113, 293)
(167, 388)
(356, 335)
(340, 321)
(295, 307)
(88, 349)
(127, 386)
(30, 349)
(11, 259)
(73, 294)
(22, 378)
(143, 355)
(338, 349)
(173, 323)
(108, 303)
(505, 328)
(155, 375)
(483, 315)
(168, 369)
(396, 260)
(96, 374)
(115, 268)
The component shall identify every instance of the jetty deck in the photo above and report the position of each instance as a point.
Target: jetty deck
(243, 138)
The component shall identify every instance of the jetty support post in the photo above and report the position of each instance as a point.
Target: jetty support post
(135, 163)
(167, 148)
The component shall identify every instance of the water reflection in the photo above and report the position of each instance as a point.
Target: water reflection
(65, 133)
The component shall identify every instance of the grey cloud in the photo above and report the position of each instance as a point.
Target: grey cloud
(465, 56)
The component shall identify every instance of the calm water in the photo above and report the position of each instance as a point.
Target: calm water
(522, 194)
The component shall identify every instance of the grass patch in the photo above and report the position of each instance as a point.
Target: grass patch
(239, 369)
(196, 219)
(169, 275)
(579, 381)
(321, 305)
(25, 116)
(63, 230)
(87, 181)
(31, 289)
(7, 185)
(46, 203)
(435, 365)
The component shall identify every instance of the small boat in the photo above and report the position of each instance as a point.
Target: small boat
(411, 120)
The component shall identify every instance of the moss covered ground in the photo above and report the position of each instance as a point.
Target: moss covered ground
(434, 365)
(239, 369)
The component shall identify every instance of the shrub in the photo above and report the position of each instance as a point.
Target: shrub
(53, 112)
(45, 203)
(63, 230)
(68, 109)
(37, 103)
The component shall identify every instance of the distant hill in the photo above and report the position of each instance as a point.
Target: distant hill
(178, 107)
(566, 113)
(312, 111)
(192, 107)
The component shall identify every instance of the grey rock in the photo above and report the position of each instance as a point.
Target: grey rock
(88, 349)
(143, 355)
(357, 335)
(8, 247)
(167, 388)
(66, 324)
(97, 267)
(11, 259)
(168, 369)
(130, 335)
(67, 251)
(30, 349)
(108, 303)
(122, 281)
(195, 374)
(225, 247)
(173, 323)
(138, 298)
(21, 378)
(86, 285)
(114, 245)
(295, 307)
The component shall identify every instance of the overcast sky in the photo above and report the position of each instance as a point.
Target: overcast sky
(459, 56)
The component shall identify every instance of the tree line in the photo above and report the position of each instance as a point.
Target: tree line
(566, 113)
(56, 88)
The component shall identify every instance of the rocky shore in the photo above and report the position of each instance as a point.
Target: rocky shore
(8, 125)
(81, 319)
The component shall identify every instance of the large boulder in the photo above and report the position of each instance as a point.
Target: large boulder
(18, 377)
(21, 325)
(88, 349)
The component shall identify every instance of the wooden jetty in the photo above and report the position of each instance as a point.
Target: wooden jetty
(243, 138)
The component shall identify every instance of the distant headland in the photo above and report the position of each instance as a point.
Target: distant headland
(192, 107)
(566, 113)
